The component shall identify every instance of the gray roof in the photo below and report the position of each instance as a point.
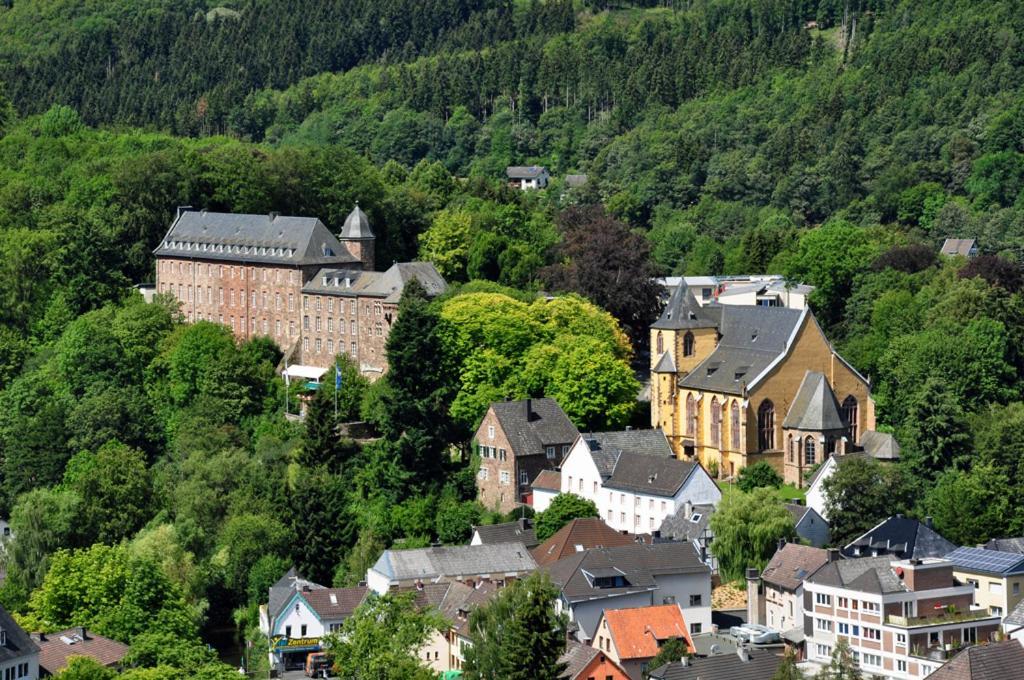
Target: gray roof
(638, 461)
(988, 561)
(357, 225)
(387, 285)
(574, 181)
(639, 564)
(665, 364)
(524, 171)
(761, 665)
(576, 658)
(520, 531)
(797, 511)
(19, 644)
(993, 661)
(285, 587)
(1016, 615)
(901, 536)
(792, 564)
(862, 574)
(262, 239)
(680, 526)
(957, 246)
(752, 338)
(451, 561)
(1006, 544)
(683, 311)
(529, 434)
(815, 407)
(880, 445)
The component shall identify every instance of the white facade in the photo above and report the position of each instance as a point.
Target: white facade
(692, 592)
(630, 511)
(297, 630)
(769, 290)
(816, 491)
(542, 499)
(23, 668)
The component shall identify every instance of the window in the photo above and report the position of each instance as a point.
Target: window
(484, 474)
(823, 624)
(766, 425)
(716, 423)
(734, 425)
(850, 416)
(691, 415)
(318, 345)
(611, 517)
(791, 448)
(844, 628)
(502, 455)
(870, 607)
(490, 431)
(872, 634)
(524, 479)
(305, 323)
(330, 324)
(688, 344)
(872, 660)
(305, 344)
(303, 630)
(565, 449)
(843, 603)
(901, 639)
(580, 488)
(1016, 588)
(504, 477)
(809, 450)
(695, 628)
(550, 451)
(595, 488)
(622, 499)
(319, 303)
(330, 346)
(291, 302)
(696, 600)
(661, 343)
(287, 631)
(569, 487)
(901, 665)
(318, 323)
(823, 599)
(823, 651)
(622, 517)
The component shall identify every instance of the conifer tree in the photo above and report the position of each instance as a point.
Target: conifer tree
(842, 666)
(788, 670)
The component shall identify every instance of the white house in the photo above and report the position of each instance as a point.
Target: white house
(881, 446)
(527, 176)
(19, 659)
(496, 563)
(299, 613)
(634, 478)
(637, 575)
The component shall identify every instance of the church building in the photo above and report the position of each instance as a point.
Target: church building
(733, 385)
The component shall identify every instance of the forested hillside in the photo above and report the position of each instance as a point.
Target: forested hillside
(836, 143)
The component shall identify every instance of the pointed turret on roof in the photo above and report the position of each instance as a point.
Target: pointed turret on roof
(683, 311)
(815, 408)
(358, 237)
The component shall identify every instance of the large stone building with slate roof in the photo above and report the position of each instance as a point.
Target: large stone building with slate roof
(289, 279)
(733, 385)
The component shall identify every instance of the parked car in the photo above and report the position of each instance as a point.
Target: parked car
(316, 664)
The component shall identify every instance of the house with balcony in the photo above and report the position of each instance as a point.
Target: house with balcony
(902, 618)
(997, 577)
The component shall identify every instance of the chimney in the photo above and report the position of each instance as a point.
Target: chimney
(781, 544)
(419, 584)
(833, 554)
(529, 409)
(39, 637)
(684, 661)
(743, 653)
(928, 521)
(82, 632)
(524, 523)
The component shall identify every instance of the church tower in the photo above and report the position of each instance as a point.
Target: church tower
(358, 238)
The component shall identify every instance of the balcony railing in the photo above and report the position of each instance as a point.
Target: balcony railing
(941, 619)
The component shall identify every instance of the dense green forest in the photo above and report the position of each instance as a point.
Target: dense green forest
(835, 143)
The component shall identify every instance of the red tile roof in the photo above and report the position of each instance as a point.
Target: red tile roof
(56, 648)
(550, 480)
(590, 532)
(637, 632)
(335, 603)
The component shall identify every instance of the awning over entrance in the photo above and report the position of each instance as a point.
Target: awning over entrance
(304, 373)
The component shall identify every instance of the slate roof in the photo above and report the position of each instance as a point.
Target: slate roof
(639, 461)
(797, 511)
(432, 595)
(262, 239)
(815, 407)
(1006, 544)
(761, 665)
(335, 603)
(639, 631)
(683, 311)
(994, 562)
(524, 171)
(862, 574)
(902, 537)
(993, 661)
(56, 648)
(680, 526)
(1016, 616)
(957, 246)
(880, 445)
(792, 564)
(581, 533)
(520, 531)
(752, 339)
(459, 560)
(546, 425)
(638, 563)
(387, 285)
(357, 225)
(19, 644)
(549, 480)
(577, 657)
(665, 364)
(285, 587)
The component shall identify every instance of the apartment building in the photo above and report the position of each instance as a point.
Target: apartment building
(902, 618)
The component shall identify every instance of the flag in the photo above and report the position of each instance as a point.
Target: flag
(337, 377)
